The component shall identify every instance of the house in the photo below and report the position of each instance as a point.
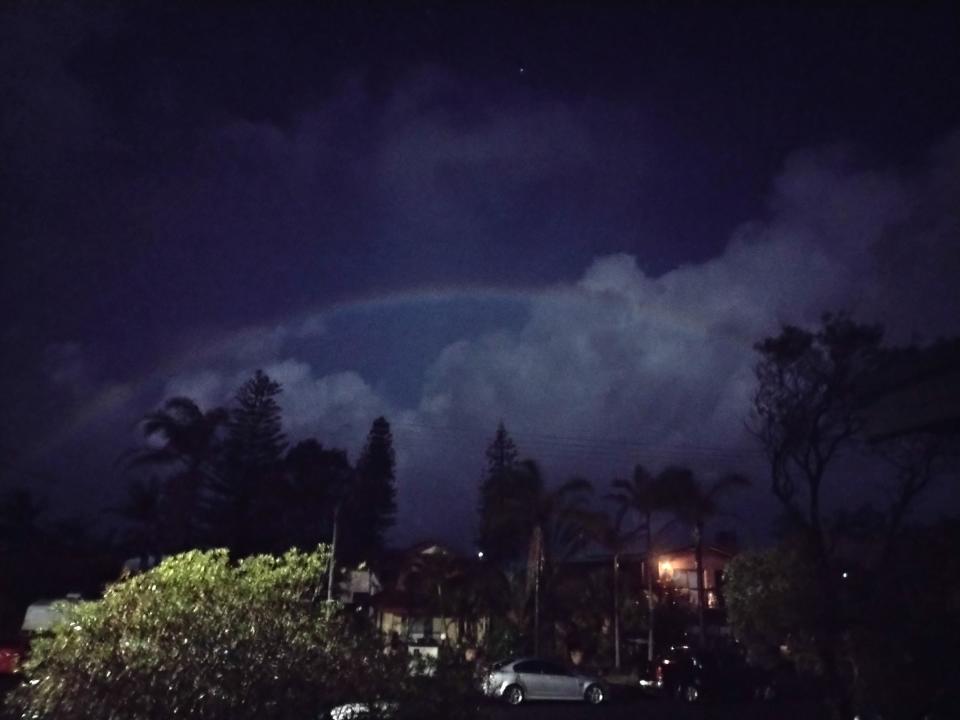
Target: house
(358, 586)
(44, 614)
(426, 597)
(680, 568)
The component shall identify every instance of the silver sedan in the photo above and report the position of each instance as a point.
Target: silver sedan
(536, 679)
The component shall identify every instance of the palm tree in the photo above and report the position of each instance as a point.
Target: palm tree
(694, 505)
(191, 442)
(554, 521)
(613, 537)
(644, 496)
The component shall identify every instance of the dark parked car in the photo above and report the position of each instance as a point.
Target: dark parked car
(690, 674)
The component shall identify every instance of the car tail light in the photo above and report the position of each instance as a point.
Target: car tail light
(658, 676)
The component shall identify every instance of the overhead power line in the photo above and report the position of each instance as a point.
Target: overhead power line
(576, 446)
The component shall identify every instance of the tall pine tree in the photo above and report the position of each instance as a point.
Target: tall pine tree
(501, 453)
(371, 506)
(245, 499)
(494, 538)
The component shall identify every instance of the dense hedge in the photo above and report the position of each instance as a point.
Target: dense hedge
(202, 637)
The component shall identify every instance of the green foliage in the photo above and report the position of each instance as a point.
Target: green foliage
(201, 637)
(771, 600)
(502, 640)
(449, 692)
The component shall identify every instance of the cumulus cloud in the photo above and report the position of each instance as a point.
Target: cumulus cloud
(336, 407)
(621, 366)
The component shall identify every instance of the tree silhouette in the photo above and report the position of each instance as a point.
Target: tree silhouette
(191, 451)
(432, 578)
(694, 505)
(553, 521)
(502, 452)
(644, 496)
(478, 593)
(142, 510)
(370, 505)
(246, 496)
(316, 480)
(495, 538)
(256, 439)
(613, 536)
(808, 408)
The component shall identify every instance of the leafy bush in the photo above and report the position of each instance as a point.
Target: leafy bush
(772, 599)
(202, 637)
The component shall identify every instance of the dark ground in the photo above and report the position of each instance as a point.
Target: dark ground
(635, 705)
(629, 705)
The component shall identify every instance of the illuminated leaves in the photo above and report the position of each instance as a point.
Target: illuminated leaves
(203, 637)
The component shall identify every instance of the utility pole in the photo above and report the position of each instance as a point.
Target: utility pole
(333, 554)
(616, 610)
(701, 585)
(536, 605)
(651, 605)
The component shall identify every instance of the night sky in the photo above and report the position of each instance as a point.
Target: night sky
(576, 219)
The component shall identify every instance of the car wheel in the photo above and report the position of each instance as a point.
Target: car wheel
(691, 693)
(594, 695)
(513, 695)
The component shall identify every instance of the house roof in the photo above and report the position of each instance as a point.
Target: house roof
(707, 549)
